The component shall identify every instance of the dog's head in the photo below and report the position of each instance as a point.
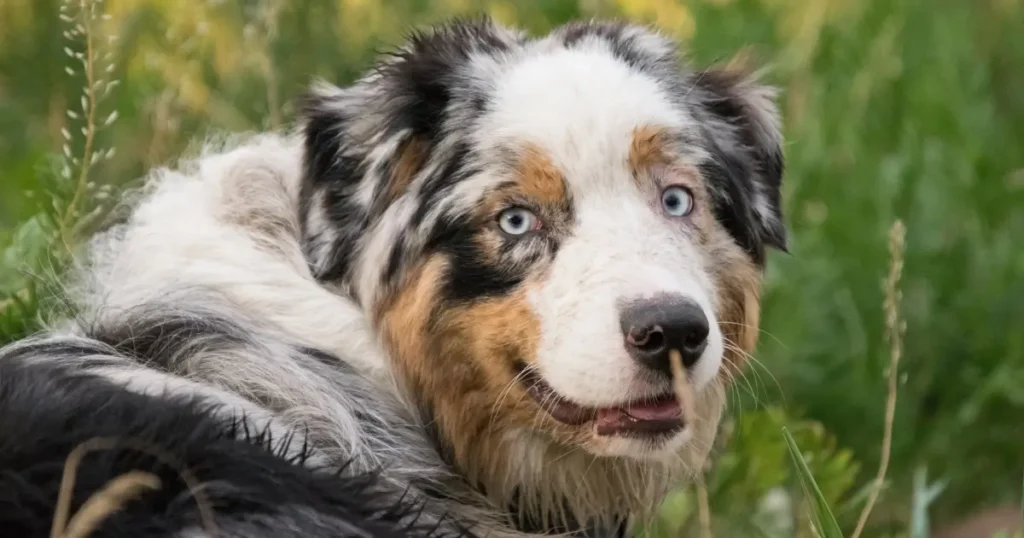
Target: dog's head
(534, 224)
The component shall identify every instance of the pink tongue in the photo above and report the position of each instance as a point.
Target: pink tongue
(663, 410)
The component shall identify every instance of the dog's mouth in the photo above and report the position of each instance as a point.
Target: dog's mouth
(649, 417)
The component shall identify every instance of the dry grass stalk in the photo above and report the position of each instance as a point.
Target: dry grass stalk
(117, 492)
(681, 385)
(895, 327)
(703, 511)
(684, 393)
(108, 500)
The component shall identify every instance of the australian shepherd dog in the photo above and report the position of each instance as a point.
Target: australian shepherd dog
(448, 303)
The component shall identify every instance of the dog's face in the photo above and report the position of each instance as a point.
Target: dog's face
(535, 224)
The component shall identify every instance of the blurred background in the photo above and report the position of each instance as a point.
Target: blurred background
(894, 109)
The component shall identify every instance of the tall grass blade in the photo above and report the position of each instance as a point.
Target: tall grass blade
(826, 523)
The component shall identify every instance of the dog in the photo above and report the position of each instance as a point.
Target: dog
(444, 305)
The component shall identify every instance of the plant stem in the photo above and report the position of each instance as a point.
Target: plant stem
(894, 328)
(704, 511)
(90, 126)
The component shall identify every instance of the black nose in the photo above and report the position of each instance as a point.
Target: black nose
(653, 327)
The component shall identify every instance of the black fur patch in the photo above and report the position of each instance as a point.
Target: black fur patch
(46, 410)
(335, 177)
(760, 161)
(733, 198)
(622, 45)
(425, 74)
(395, 261)
(469, 277)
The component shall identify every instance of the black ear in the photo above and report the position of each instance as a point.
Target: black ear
(331, 217)
(428, 80)
(408, 98)
(373, 136)
(327, 113)
(412, 92)
(744, 129)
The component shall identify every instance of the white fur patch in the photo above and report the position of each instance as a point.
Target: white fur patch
(200, 227)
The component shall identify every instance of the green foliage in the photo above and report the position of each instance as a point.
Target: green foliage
(825, 521)
(19, 313)
(752, 489)
(19, 298)
(893, 108)
(28, 247)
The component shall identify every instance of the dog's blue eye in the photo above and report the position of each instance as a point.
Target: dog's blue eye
(517, 221)
(677, 201)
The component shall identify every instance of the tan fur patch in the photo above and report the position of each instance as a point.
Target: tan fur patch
(649, 147)
(739, 300)
(411, 157)
(403, 319)
(463, 364)
(492, 334)
(539, 178)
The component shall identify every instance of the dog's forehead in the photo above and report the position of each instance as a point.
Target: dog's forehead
(581, 106)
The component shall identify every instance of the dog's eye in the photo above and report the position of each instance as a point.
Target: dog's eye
(518, 221)
(677, 201)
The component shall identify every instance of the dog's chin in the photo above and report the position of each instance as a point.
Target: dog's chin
(650, 428)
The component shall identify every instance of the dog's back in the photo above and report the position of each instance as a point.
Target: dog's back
(181, 365)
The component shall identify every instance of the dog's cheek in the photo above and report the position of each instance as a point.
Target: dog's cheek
(492, 336)
(500, 331)
(739, 304)
(457, 358)
(428, 357)
(403, 318)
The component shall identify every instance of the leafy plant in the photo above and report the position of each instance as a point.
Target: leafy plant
(751, 489)
(43, 245)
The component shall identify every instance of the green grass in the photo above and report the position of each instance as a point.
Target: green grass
(894, 109)
(824, 520)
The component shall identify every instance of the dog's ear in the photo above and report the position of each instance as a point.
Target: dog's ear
(411, 94)
(332, 217)
(327, 113)
(429, 79)
(415, 89)
(745, 129)
(364, 144)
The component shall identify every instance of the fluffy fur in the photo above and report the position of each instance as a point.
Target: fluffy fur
(352, 292)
